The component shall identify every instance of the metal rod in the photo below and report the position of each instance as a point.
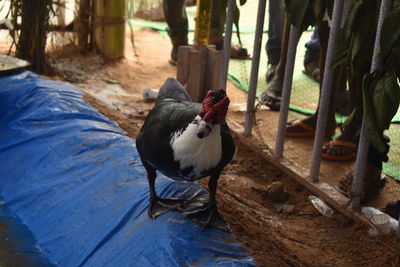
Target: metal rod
(286, 89)
(325, 92)
(255, 63)
(227, 44)
(362, 151)
(398, 228)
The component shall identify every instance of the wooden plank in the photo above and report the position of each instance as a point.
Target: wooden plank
(213, 68)
(182, 67)
(204, 52)
(194, 80)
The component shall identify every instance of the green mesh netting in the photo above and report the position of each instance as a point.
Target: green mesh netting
(305, 91)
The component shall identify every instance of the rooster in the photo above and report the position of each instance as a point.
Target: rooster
(186, 141)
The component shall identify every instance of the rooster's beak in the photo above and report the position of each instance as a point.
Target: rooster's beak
(203, 129)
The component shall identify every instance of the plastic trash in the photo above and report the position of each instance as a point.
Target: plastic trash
(382, 222)
(321, 206)
(150, 94)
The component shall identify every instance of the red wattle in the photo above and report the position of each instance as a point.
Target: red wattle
(214, 113)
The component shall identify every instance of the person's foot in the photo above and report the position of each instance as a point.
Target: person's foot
(306, 127)
(271, 97)
(372, 183)
(174, 56)
(311, 69)
(238, 52)
(343, 147)
(177, 40)
(339, 150)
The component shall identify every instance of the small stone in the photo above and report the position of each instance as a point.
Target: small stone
(287, 209)
(276, 192)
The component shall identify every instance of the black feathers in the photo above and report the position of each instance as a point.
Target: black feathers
(174, 90)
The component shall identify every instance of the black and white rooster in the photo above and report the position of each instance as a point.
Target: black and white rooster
(186, 141)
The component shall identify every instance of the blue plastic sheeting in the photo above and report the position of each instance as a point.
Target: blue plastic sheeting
(17, 246)
(75, 179)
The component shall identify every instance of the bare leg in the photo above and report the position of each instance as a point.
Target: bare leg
(344, 147)
(339, 80)
(271, 97)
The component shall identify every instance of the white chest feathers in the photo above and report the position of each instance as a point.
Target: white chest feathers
(201, 154)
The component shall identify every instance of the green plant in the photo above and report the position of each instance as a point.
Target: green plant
(381, 90)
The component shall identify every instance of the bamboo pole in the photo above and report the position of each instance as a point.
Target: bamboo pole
(202, 22)
(110, 28)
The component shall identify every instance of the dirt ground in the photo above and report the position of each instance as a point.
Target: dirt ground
(278, 230)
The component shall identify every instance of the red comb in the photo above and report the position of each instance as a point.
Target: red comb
(214, 113)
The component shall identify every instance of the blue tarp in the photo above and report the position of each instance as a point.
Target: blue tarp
(75, 180)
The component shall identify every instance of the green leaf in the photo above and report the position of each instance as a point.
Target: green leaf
(296, 11)
(386, 96)
(390, 32)
(381, 97)
(375, 136)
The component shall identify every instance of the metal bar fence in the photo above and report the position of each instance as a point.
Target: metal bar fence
(325, 92)
(286, 90)
(254, 68)
(362, 151)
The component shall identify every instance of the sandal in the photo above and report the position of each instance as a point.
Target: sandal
(305, 129)
(339, 150)
(371, 186)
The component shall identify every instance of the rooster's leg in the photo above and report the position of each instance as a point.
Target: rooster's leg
(209, 215)
(159, 205)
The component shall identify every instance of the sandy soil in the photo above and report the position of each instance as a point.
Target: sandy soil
(277, 232)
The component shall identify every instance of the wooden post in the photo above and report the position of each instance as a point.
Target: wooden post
(110, 28)
(213, 68)
(198, 70)
(194, 77)
(182, 68)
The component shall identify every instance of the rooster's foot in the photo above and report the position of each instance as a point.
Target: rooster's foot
(159, 206)
(209, 217)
